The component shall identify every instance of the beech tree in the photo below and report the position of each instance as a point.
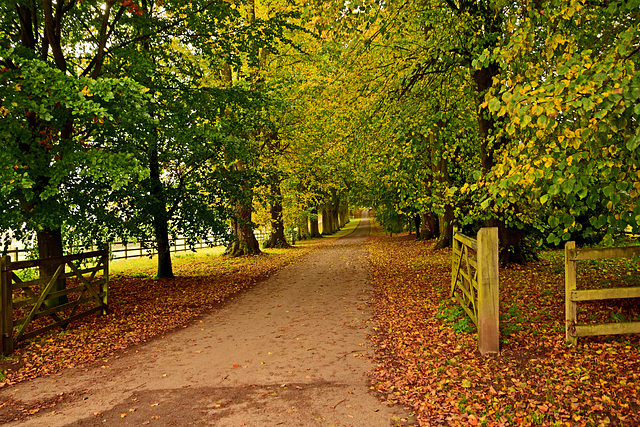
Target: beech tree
(570, 101)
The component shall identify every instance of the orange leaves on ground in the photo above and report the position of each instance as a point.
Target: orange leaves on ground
(141, 308)
(423, 363)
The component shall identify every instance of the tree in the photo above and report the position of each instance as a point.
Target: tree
(570, 99)
(58, 137)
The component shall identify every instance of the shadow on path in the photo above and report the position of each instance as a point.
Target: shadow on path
(291, 351)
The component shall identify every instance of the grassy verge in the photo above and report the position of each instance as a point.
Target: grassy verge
(427, 353)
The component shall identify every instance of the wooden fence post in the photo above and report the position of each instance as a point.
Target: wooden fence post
(570, 311)
(455, 247)
(488, 292)
(6, 307)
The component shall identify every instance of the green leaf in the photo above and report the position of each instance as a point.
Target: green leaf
(633, 142)
(494, 105)
(608, 191)
(600, 77)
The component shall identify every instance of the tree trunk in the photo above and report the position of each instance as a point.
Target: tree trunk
(160, 216)
(327, 227)
(335, 212)
(314, 227)
(416, 222)
(343, 213)
(50, 246)
(303, 228)
(509, 237)
(445, 226)
(277, 238)
(245, 242)
(445, 222)
(429, 227)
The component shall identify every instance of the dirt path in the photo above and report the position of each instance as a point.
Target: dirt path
(292, 351)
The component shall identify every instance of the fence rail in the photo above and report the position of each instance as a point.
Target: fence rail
(574, 330)
(475, 284)
(31, 307)
(124, 250)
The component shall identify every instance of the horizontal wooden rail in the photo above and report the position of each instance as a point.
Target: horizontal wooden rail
(25, 302)
(573, 329)
(125, 250)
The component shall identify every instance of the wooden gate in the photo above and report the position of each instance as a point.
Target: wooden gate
(475, 283)
(23, 311)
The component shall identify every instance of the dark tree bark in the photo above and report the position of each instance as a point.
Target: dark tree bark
(416, 222)
(445, 221)
(314, 227)
(303, 228)
(429, 227)
(445, 227)
(50, 246)
(327, 220)
(245, 242)
(343, 213)
(277, 238)
(510, 238)
(160, 216)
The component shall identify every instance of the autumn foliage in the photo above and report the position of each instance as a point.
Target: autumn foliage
(427, 351)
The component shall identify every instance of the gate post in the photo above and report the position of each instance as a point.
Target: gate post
(570, 285)
(488, 292)
(6, 307)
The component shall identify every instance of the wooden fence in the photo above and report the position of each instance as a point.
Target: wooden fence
(124, 250)
(573, 329)
(475, 284)
(24, 312)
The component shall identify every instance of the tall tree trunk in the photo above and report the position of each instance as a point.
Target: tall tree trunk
(160, 215)
(416, 221)
(245, 242)
(343, 213)
(277, 238)
(314, 227)
(327, 228)
(445, 227)
(445, 221)
(429, 226)
(510, 237)
(50, 246)
(303, 228)
(334, 211)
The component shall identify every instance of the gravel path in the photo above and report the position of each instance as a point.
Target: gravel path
(292, 351)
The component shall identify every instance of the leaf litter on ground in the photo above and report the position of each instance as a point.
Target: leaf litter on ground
(142, 308)
(427, 359)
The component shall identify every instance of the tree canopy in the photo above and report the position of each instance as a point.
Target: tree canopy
(146, 119)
